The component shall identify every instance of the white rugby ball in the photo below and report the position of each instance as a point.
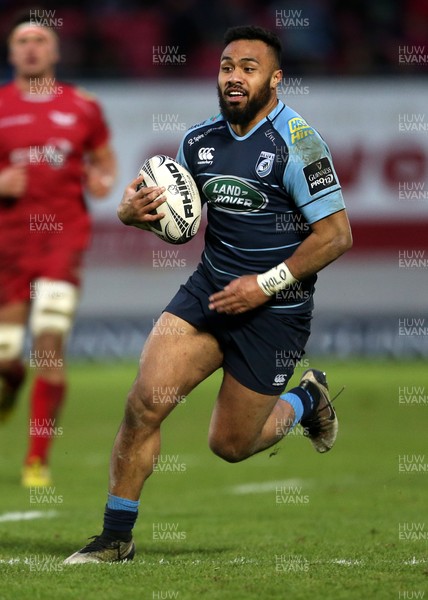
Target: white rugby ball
(182, 208)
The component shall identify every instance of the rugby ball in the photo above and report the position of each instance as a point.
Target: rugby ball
(182, 208)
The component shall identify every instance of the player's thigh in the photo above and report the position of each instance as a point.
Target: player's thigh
(239, 413)
(13, 317)
(14, 291)
(14, 312)
(175, 358)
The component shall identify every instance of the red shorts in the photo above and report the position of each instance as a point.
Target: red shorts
(54, 254)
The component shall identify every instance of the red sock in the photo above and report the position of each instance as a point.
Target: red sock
(46, 399)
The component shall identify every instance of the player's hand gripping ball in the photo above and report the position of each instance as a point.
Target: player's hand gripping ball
(182, 208)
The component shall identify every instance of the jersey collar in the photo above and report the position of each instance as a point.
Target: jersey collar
(270, 117)
(31, 97)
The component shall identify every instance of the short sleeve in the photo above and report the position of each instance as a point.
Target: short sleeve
(98, 133)
(309, 177)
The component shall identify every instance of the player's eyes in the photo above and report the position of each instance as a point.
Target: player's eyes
(35, 40)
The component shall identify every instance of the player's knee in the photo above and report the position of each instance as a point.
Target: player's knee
(140, 410)
(11, 342)
(54, 305)
(231, 450)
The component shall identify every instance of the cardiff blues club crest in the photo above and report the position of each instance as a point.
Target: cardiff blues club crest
(264, 163)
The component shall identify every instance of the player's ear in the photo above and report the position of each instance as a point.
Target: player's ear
(276, 78)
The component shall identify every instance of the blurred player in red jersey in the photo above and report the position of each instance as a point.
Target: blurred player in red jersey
(54, 143)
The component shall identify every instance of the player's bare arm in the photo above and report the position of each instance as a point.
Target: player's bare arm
(13, 181)
(137, 204)
(101, 171)
(329, 239)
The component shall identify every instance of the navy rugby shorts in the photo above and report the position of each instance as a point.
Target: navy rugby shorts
(260, 347)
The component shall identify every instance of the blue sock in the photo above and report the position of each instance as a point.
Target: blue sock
(118, 503)
(120, 516)
(301, 401)
(296, 403)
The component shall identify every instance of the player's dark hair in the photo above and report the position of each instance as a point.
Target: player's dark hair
(253, 32)
(23, 15)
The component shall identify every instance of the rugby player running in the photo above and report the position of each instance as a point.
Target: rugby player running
(275, 218)
(54, 143)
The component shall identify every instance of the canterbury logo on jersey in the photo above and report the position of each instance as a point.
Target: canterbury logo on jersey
(205, 155)
(280, 379)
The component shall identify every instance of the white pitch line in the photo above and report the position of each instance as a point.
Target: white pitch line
(27, 516)
(415, 561)
(266, 486)
(11, 561)
(242, 560)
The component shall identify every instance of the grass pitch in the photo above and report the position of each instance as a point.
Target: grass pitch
(287, 523)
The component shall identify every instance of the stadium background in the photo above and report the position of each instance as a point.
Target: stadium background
(356, 70)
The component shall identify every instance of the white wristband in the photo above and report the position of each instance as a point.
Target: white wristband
(276, 279)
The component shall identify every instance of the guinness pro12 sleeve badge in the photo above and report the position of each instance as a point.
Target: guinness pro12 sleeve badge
(319, 175)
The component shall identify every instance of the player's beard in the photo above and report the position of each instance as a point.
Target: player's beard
(243, 116)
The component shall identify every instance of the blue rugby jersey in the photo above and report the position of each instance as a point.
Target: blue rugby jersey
(263, 190)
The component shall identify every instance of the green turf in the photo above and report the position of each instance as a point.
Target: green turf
(335, 538)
